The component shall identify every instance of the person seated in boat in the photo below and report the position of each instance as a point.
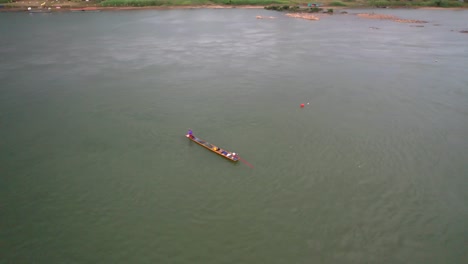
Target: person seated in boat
(190, 133)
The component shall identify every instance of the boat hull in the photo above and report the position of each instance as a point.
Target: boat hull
(222, 152)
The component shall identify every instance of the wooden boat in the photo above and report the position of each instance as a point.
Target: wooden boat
(232, 156)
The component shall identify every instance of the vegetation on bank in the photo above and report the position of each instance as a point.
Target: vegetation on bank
(302, 3)
(342, 3)
(190, 2)
(337, 3)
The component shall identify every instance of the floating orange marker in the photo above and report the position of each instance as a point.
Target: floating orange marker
(302, 105)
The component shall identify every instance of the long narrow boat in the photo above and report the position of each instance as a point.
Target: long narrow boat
(232, 156)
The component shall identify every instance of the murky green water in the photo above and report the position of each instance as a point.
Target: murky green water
(95, 168)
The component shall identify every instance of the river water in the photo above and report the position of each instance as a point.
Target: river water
(95, 168)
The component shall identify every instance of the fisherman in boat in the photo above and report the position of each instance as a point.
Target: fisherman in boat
(190, 133)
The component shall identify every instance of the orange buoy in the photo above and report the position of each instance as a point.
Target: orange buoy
(302, 105)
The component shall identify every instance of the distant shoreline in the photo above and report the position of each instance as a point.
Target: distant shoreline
(94, 8)
(117, 8)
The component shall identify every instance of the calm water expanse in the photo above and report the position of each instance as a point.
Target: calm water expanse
(95, 168)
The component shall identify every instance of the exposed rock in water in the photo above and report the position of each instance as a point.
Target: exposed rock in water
(296, 9)
(389, 17)
(303, 16)
(263, 17)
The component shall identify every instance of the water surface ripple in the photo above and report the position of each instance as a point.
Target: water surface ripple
(95, 167)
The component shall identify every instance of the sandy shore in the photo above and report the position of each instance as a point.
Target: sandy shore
(442, 8)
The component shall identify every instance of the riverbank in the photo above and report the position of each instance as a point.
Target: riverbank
(120, 8)
(84, 8)
(93, 5)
